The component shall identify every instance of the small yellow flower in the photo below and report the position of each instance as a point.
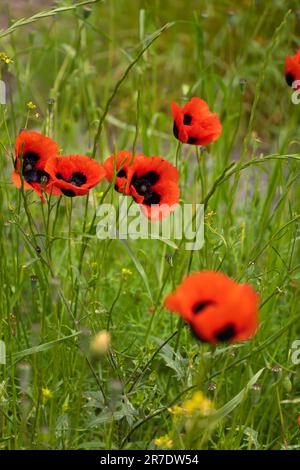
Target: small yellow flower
(4, 57)
(46, 393)
(198, 404)
(31, 106)
(99, 194)
(210, 215)
(176, 410)
(37, 115)
(126, 272)
(94, 266)
(164, 441)
(100, 343)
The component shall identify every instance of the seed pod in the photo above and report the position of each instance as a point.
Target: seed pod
(287, 384)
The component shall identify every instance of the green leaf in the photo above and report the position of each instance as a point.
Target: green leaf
(42, 347)
(173, 359)
(232, 404)
(107, 416)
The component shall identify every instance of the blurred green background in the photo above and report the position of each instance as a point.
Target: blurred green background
(211, 46)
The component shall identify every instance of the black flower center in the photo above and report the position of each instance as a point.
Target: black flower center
(30, 172)
(68, 192)
(187, 119)
(29, 162)
(32, 175)
(143, 186)
(30, 157)
(290, 79)
(200, 306)
(121, 174)
(192, 140)
(77, 178)
(226, 333)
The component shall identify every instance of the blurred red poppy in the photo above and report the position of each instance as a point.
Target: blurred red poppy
(216, 307)
(292, 69)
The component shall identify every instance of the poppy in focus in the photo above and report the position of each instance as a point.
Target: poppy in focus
(216, 307)
(194, 123)
(292, 68)
(32, 151)
(154, 185)
(74, 175)
(151, 181)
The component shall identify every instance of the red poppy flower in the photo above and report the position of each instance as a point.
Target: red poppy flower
(292, 68)
(32, 152)
(119, 166)
(298, 420)
(154, 185)
(74, 175)
(216, 307)
(151, 181)
(194, 123)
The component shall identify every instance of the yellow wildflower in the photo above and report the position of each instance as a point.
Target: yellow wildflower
(126, 272)
(46, 393)
(198, 404)
(210, 215)
(176, 410)
(31, 106)
(4, 57)
(164, 441)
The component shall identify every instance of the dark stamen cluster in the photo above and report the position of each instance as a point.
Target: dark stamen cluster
(227, 333)
(143, 186)
(77, 179)
(200, 306)
(32, 174)
(289, 79)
